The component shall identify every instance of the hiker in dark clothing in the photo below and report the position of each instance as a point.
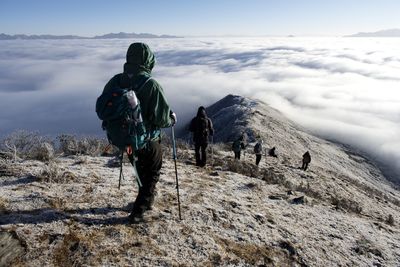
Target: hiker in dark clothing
(306, 160)
(156, 114)
(201, 127)
(258, 151)
(237, 146)
(272, 152)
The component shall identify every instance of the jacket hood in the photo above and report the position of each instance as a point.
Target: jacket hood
(201, 112)
(139, 58)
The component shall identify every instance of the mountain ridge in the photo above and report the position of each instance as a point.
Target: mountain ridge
(234, 115)
(381, 33)
(120, 35)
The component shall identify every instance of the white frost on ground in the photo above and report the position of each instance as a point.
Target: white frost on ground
(229, 219)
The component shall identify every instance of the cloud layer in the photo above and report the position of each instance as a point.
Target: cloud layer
(346, 89)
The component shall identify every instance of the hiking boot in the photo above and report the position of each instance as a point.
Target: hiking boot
(136, 218)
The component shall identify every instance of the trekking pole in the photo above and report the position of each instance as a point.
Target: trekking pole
(176, 170)
(212, 150)
(121, 175)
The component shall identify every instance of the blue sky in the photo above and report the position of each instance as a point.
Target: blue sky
(205, 17)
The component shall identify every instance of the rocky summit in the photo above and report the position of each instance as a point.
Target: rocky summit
(66, 209)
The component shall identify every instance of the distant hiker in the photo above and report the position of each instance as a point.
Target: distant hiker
(272, 152)
(201, 127)
(237, 146)
(306, 160)
(155, 114)
(258, 151)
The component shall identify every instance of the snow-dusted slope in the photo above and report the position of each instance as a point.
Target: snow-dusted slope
(341, 212)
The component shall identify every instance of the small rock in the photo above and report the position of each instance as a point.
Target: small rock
(298, 200)
(214, 174)
(290, 192)
(251, 185)
(260, 218)
(275, 197)
(234, 204)
(289, 247)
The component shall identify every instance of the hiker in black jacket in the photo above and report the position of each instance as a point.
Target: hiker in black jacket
(201, 127)
(306, 160)
(258, 149)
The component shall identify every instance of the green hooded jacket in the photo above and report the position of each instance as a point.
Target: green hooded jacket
(140, 61)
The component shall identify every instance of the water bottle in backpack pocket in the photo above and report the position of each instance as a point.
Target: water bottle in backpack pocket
(120, 111)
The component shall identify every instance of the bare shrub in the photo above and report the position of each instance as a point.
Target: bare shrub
(72, 145)
(43, 152)
(50, 173)
(27, 145)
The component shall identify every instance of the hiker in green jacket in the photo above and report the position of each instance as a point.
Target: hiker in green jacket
(156, 114)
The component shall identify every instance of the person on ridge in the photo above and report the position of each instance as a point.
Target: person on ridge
(201, 126)
(156, 114)
(306, 160)
(258, 151)
(237, 146)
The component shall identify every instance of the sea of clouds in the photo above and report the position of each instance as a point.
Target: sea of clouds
(345, 89)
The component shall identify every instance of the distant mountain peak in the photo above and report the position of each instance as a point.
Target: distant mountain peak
(382, 33)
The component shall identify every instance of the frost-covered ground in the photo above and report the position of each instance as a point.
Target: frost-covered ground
(341, 212)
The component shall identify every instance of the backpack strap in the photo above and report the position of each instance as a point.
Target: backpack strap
(140, 83)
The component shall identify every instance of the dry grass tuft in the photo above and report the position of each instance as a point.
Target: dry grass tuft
(8, 169)
(346, 204)
(243, 168)
(72, 251)
(255, 255)
(52, 173)
(366, 247)
(3, 205)
(56, 203)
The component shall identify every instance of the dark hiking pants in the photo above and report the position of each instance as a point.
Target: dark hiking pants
(305, 166)
(237, 154)
(258, 159)
(200, 153)
(148, 166)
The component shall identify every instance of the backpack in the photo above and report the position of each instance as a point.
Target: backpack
(237, 145)
(258, 148)
(202, 126)
(120, 111)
